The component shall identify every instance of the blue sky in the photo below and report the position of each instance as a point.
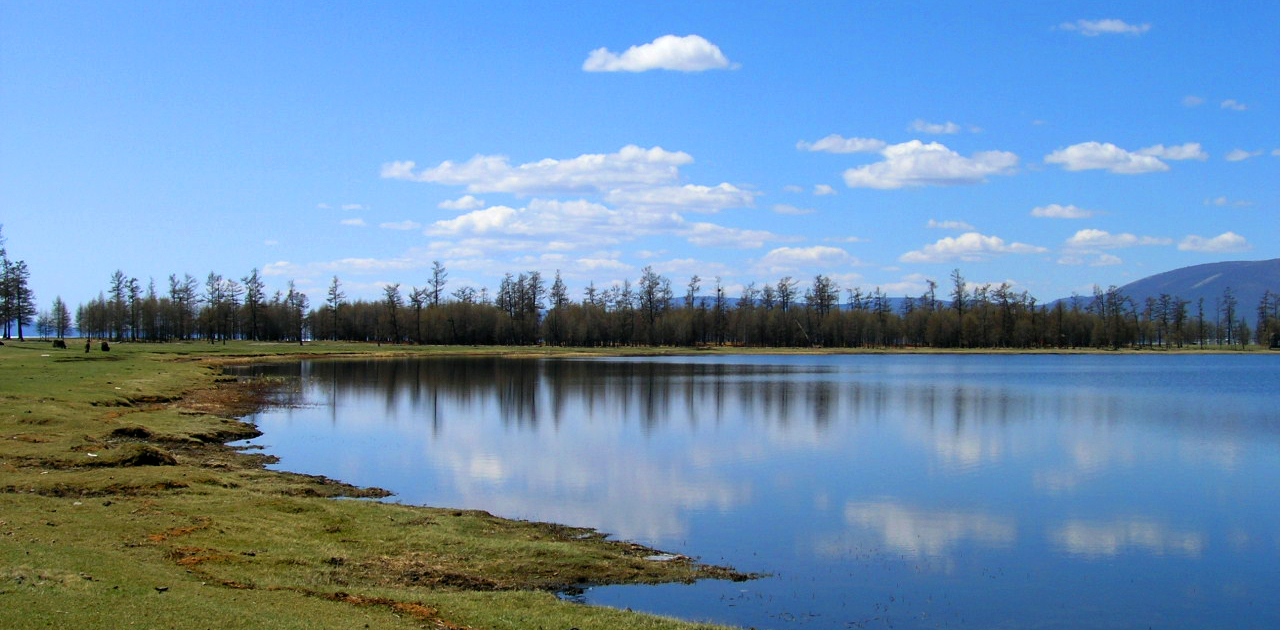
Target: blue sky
(1052, 145)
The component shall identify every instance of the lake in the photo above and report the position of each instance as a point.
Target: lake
(878, 491)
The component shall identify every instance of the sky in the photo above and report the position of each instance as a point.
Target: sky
(1051, 145)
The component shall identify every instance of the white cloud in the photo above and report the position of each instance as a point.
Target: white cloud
(689, 197)
(912, 284)
(915, 163)
(1227, 242)
(785, 259)
(845, 239)
(928, 127)
(1240, 155)
(1188, 151)
(465, 202)
(1111, 26)
(1275, 152)
(578, 223)
(782, 208)
(1104, 155)
(712, 235)
(1233, 105)
(835, 143)
(1058, 211)
(401, 225)
(1192, 101)
(934, 224)
(822, 190)
(323, 206)
(690, 53)
(475, 222)
(1106, 260)
(358, 222)
(970, 246)
(354, 206)
(792, 188)
(270, 242)
(1093, 240)
(1223, 201)
(630, 167)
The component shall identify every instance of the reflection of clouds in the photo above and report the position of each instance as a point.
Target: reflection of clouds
(603, 478)
(1094, 538)
(930, 533)
(1223, 453)
(965, 451)
(1091, 450)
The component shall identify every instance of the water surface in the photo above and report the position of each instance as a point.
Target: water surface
(893, 491)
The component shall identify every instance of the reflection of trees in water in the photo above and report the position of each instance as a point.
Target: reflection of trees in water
(528, 392)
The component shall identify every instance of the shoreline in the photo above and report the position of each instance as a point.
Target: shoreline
(124, 454)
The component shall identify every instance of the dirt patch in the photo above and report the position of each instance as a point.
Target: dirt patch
(134, 432)
(203, 522)
(135, 455)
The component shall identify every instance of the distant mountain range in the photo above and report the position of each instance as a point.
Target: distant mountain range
(1248, 280)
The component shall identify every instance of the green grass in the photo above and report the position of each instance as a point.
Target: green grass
(121, 507)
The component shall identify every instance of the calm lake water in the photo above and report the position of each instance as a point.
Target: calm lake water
(897, 491)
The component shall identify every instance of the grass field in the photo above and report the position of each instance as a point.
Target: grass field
(120, 506)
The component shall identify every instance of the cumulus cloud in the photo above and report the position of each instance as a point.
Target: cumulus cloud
(354, 206)
(923, 126)
(475, 222)
(690, 53)
(835, 143)
(785, 259)
(1188, 151)
(630, 167)
(1104, 155)
(1240, 155)
(1092, 240)
(1058, 211)
(915, 163)
(1227, 242)
(1233, 104)
(712, 235)
(1223, 201)
(792, 188)
(1106, 260)
(782, 208)
(822, 190)
(358, 222)
(969, 247)
(580, 221)
(1110, 26)
(934, 224)
(401, 225)
(689, 197)
(1192, 101)
(465, 202)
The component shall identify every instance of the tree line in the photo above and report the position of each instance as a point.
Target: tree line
(526, 310)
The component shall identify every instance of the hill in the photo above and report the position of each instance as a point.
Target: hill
(1248, 280)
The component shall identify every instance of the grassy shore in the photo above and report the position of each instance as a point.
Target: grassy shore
(121, 506)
